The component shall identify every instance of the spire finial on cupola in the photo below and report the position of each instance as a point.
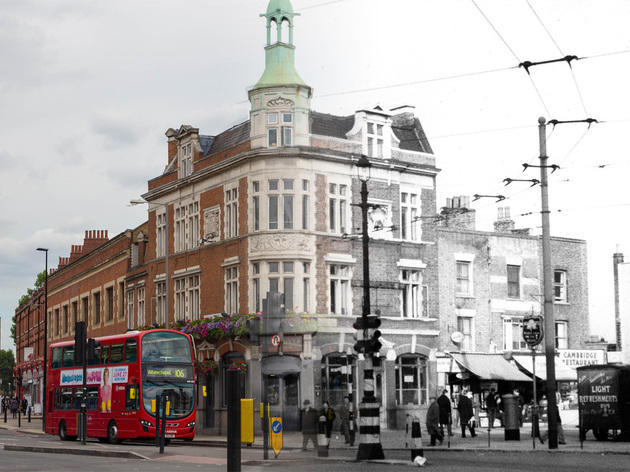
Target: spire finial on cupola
(280, 51)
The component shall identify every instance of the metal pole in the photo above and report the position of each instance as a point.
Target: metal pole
(550, 327)
(234, 421)
(45, 393)
(535, 405)
(369, 428)
(166, 264)
(83, 415)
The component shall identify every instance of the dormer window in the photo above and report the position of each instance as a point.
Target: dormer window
(185, 160)
(279, 129)
(374, 140)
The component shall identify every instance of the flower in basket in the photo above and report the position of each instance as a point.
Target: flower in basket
(206, 367)
(238, 365)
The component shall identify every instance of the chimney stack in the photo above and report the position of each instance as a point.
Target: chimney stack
(457, 214)
(504, 223)
(93, 239)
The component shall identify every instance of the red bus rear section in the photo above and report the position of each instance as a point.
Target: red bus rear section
(129, 371)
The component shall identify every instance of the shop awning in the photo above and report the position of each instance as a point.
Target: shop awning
(564, 373)
(489, 366)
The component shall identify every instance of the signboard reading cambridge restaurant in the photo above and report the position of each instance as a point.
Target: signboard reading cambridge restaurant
(579, 357)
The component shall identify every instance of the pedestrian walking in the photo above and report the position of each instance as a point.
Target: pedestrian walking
(330, 415)
(14, 407)
(433, 422)
(309, 425)
(445, 411)
(344, 417)
(352, 425)
(545, 435)
(466, 414)
(455, 410)
(491, 407)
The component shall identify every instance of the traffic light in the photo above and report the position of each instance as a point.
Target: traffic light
(253, 331)
(371, 344)
(273, 312)
(92, 355)
(80, 336)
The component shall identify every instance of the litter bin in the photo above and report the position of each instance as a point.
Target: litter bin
(511, 421)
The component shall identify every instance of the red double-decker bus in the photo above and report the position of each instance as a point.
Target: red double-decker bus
(128, 372)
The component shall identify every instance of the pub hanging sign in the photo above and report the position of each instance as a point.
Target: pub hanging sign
(533, 330)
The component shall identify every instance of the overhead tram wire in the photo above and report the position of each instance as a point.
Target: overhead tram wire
(321, 4)
(577, 86)
(542, 101)
(417, 82)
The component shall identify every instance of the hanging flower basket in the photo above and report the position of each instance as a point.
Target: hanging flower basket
(206, 367)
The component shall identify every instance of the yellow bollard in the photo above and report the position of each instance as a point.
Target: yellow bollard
(247, 421)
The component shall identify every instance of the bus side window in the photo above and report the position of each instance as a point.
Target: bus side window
(68, 356)
(57, 399)
(116, 355)
(66, 398)
(92, 398)
(131, 351)
(104, 355)
(97, 359)
(131, 397)
(76, 399)
(56, 358)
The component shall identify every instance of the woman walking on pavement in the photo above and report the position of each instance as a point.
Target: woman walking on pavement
(445, 411)
(329, 413)
(433, 422)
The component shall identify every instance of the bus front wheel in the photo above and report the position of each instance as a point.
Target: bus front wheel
(112, 433)
(63, 432)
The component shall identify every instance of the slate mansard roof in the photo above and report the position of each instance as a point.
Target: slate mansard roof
(405, 126)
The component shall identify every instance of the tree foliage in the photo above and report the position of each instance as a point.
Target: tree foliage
(7, 363)
(39, 282)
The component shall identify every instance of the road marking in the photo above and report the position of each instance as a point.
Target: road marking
(193, 460)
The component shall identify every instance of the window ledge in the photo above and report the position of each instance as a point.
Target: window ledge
(425, 319)
(462, 295)
(561, 303)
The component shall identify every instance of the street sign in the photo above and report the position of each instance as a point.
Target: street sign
(275, 339)
(276, 435)
(533, 330)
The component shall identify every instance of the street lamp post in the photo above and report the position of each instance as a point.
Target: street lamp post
(369, 422)
(45, 250)
(166, 228)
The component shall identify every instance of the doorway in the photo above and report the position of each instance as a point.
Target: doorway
(283, 394)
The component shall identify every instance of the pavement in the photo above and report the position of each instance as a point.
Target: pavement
(392, 442)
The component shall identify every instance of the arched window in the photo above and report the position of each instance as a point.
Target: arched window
(285, 25)
(411, 380)
(338, 377)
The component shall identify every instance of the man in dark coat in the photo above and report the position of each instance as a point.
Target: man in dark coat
(445, 411)
(466, 414)
(433, 422)
(310, 420)
(491, 407)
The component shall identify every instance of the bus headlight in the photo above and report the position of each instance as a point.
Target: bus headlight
(190, 425)
(146, 425)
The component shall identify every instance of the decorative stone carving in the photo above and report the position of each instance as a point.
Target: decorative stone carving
(280, 102)
(280, 242)
(380, 222)
(212, 224)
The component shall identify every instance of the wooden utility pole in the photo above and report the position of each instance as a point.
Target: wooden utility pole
(550, 327)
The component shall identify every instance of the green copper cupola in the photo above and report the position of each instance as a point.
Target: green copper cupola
(280, 100)
(280, 51)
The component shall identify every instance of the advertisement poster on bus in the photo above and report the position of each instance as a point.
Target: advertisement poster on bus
(116, 374)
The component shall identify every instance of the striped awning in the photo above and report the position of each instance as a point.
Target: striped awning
(489, 366)
(564, 373)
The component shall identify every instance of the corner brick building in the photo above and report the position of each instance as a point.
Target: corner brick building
(267, 205)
